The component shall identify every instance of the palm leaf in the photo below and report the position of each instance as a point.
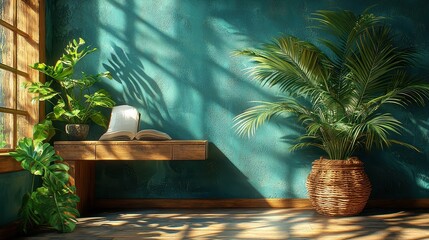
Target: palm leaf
(294, 66)
(247, 122)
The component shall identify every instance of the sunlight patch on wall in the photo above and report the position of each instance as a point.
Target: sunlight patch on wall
(422, 180)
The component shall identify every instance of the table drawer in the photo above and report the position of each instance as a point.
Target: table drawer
(135, 152)
(189, 152)
(76, 152)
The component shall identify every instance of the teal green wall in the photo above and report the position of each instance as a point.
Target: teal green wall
(13, 186)
(172, 60)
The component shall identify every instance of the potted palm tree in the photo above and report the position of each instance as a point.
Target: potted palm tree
(340, 97)
(74, 100)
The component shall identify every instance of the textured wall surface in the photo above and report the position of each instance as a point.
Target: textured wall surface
(172, 60)
(13, 186)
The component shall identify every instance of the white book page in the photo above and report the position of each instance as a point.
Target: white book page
(124, 118)
(152, 134)
(117, 135)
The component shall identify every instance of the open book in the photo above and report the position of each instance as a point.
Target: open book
(124, 125)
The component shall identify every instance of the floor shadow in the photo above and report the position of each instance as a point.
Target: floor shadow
(248, 224)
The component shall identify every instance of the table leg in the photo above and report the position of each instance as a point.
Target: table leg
(82, 175)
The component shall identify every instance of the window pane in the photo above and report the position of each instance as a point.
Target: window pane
(25, 101)
(6, 7)
(7, 86)
(28, 18)
(6, 46)
(6, 130)
(23, 130)
(19, 48)
(28, 53)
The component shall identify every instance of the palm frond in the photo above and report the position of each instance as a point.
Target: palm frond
(295, 66)
(247, 122)
(345, 28)
(306, 141)
(408, 90)
(373, 64)
(375, 131)
(404, 90)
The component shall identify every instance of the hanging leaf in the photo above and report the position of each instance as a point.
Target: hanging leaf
(53, 204)
(43, 131)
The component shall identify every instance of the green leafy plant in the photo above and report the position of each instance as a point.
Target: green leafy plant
(3, 142)
(339, 96)
(73, 102)
(54, 203)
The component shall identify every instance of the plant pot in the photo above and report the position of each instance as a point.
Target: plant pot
(77, 131)
(338, 187)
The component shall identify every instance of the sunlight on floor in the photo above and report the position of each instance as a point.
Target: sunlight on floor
(248, 224)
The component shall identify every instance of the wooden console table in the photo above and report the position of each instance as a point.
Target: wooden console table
(82, 156)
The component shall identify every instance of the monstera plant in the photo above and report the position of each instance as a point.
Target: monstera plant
(339, 90)
(74, 99)
(53, 204)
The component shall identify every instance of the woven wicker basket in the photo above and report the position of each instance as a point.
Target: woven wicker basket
(338, 187)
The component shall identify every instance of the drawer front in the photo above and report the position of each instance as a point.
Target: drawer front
(133, 152)
(76, 151)
(190, 152)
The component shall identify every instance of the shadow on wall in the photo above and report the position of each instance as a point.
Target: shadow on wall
(138, 87)
(215, 177)
(135, 87)
(400, 172)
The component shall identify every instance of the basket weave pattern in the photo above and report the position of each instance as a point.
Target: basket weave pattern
(338, 187)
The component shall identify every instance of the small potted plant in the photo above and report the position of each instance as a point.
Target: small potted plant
(73, 98)
(339, 96)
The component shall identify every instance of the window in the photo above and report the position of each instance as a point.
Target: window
(21, 41)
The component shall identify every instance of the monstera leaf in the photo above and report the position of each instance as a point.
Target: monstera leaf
(54, 203)
(35, 158)
(43, 131)
(29, 213)
(59, 208)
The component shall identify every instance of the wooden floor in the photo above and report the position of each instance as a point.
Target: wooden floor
(248, 224)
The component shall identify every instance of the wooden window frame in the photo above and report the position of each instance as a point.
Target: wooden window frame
(7, 163)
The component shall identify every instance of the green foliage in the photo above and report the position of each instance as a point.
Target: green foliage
(54, 203)
(338, 97)
(3, 142)
(74, 102)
